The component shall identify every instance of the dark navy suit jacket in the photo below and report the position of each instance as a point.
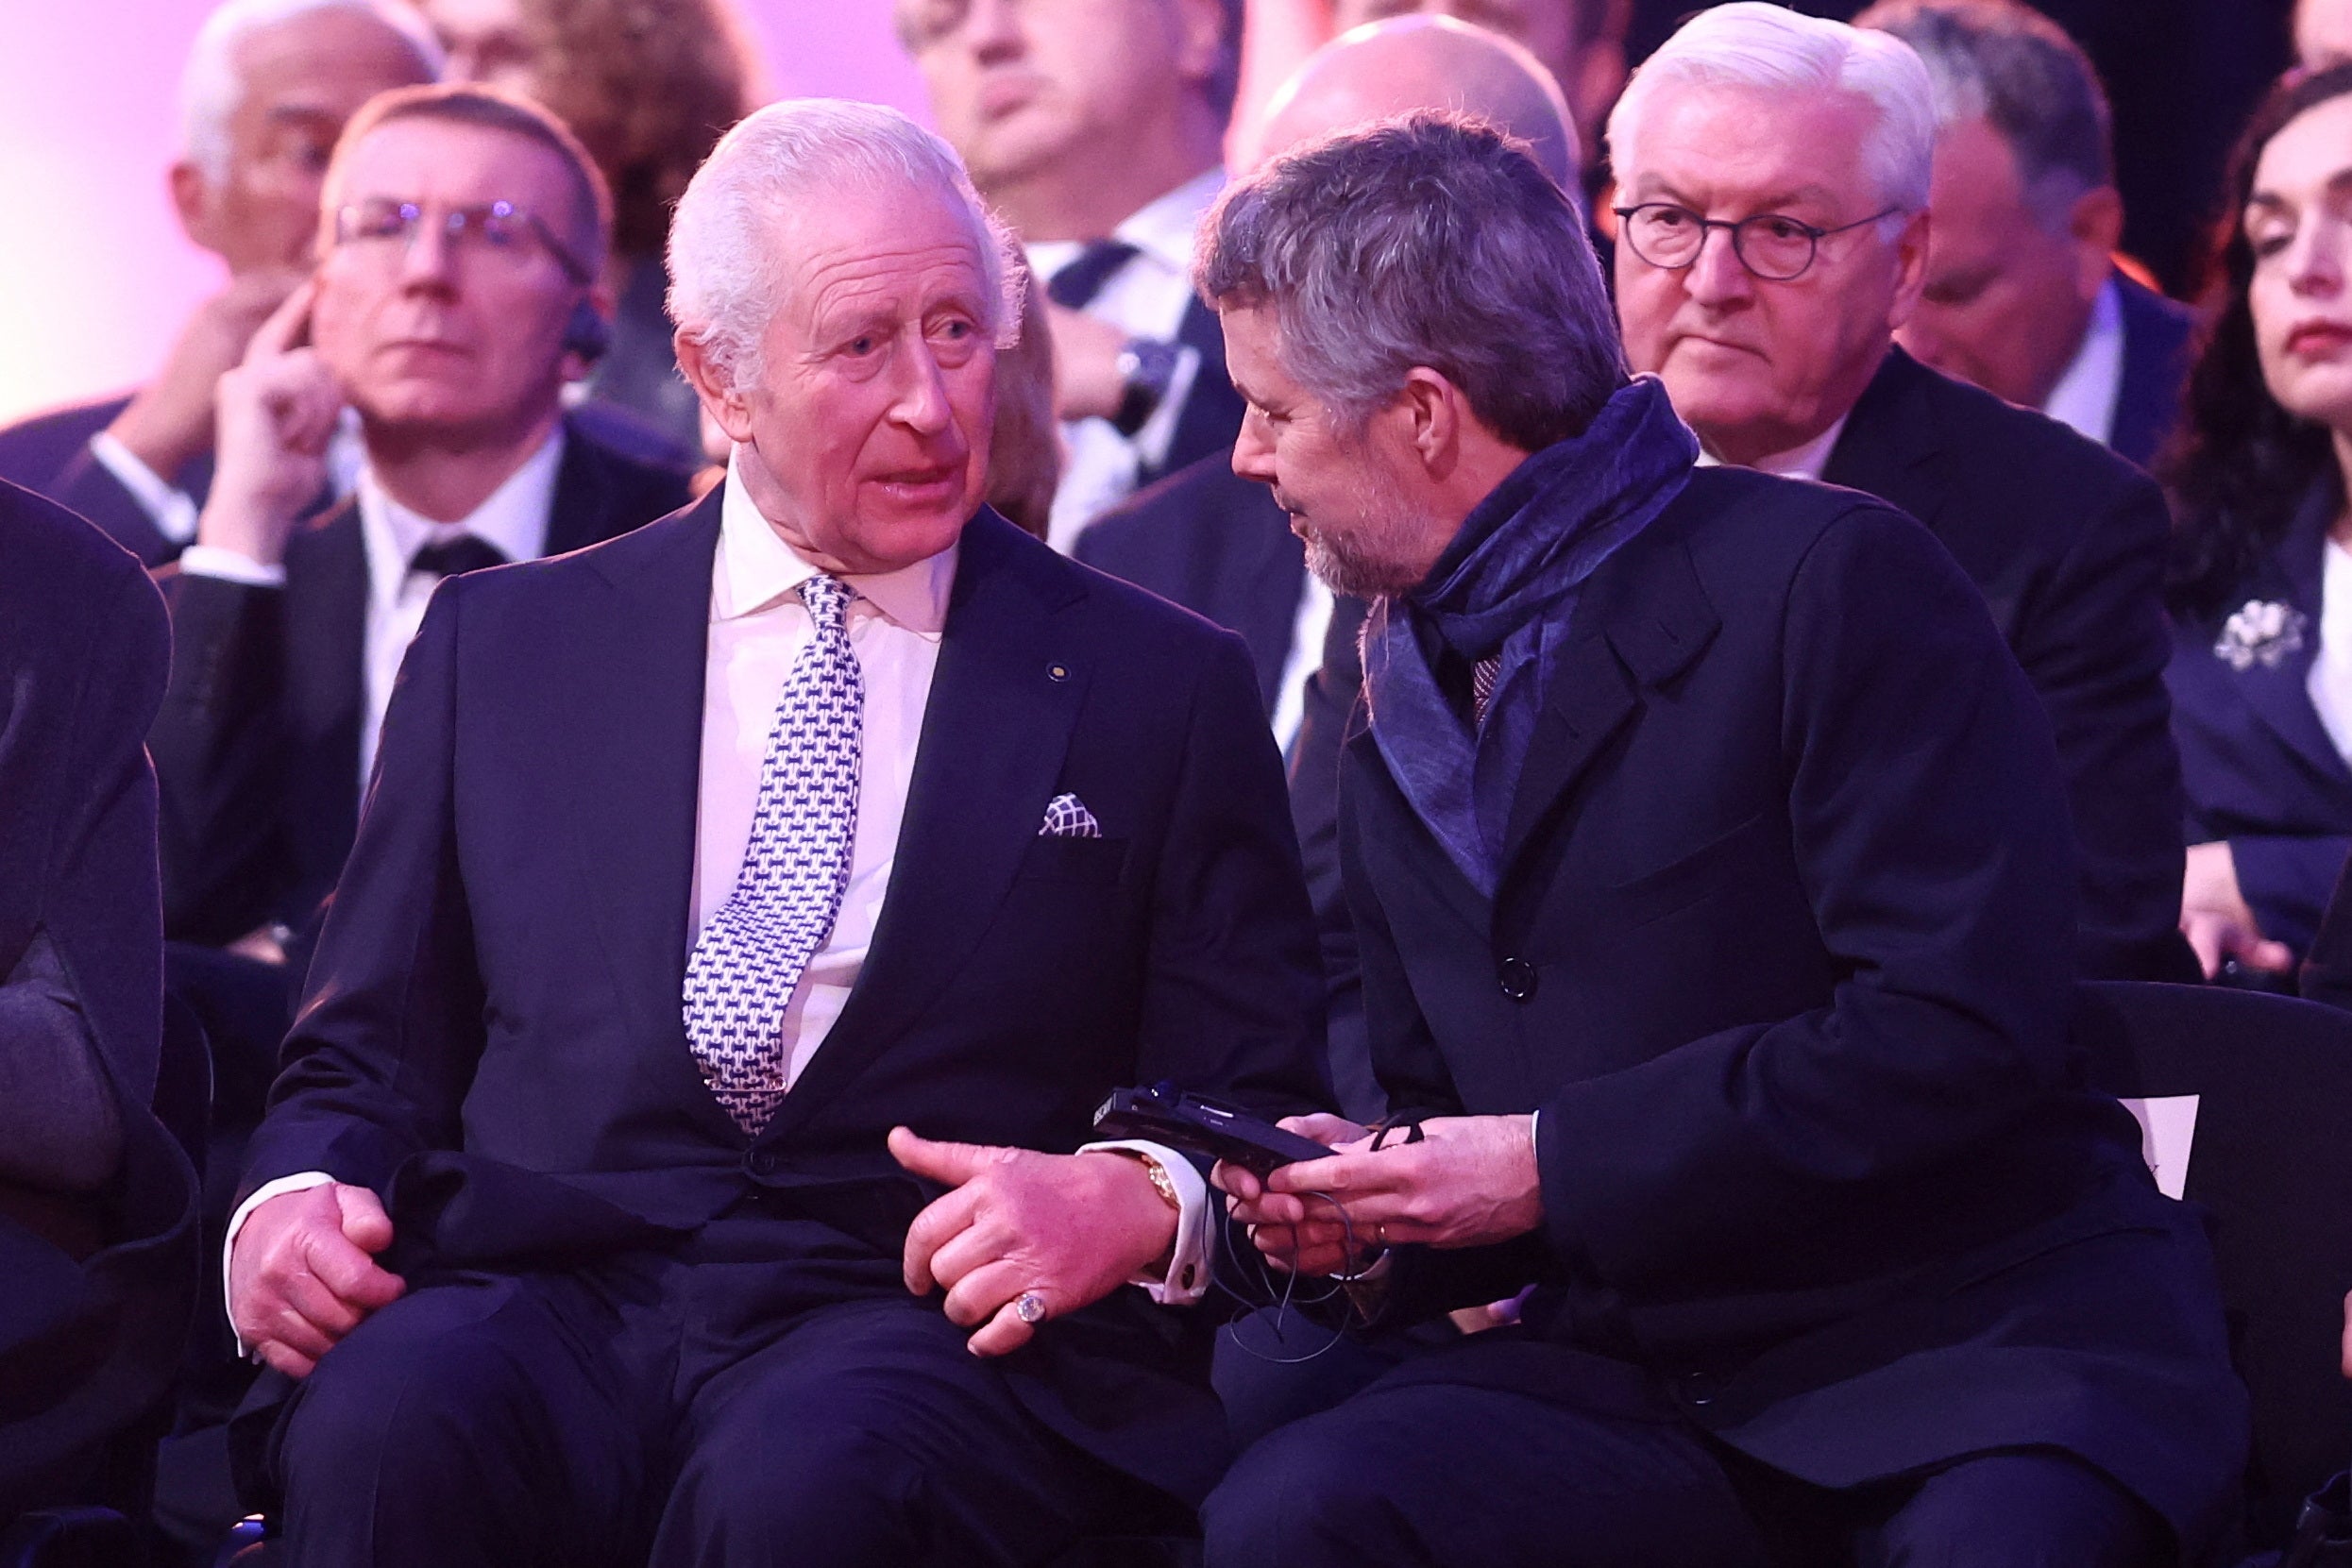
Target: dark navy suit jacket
(1215, 543)
(2159, 335)
(1780, 955)
(494, 1010)
(2260, 769)
(87, 1344)
(2066, 542)
(257, 747)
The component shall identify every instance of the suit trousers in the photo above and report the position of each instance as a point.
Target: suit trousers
(1420, 1470)
(718, 1406)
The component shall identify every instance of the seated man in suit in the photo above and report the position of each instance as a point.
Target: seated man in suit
(1220, 544)
(1766, 297)
(748, 916)
(460, 238)
(1714, 882)
(1097, 128)
(267, 88)
(97, 1229)
(2023, 294)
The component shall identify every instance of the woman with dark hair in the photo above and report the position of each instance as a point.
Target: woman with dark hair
(2260, 580)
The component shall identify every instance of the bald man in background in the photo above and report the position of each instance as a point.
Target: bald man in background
(1581, 43)
(1222, 547)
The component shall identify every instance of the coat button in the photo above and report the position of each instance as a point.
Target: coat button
(762, 1161)
(1517, 978)
(1698, 1388)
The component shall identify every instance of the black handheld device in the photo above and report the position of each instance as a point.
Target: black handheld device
(1162, 1114)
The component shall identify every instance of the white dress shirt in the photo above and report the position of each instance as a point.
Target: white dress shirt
(1308, 630)
(1797, 462)
(758, 628)
(2330, 682)
(1145, 298)
(2091, 385)
(514, 518)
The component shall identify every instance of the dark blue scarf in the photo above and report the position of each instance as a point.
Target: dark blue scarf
(1507, 586)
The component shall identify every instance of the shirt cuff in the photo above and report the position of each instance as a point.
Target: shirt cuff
(1189, 1259)
(231, 567)
(300, 1182)
(172, 510)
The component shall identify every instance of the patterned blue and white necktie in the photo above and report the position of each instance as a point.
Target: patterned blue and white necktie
(795, 869)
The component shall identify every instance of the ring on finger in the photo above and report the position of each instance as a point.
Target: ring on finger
(1031, 1309)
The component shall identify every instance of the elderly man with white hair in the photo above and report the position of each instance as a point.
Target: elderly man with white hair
(748, 916)
(1772, 187)
(266, 90)
(1710, 882)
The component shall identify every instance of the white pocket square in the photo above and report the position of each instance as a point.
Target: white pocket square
(1066, 817)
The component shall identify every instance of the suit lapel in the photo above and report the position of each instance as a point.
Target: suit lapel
(635, 725)
(2280, 693)
(994, 732)
(327, 638)
(1641, 621)
(1891, 447)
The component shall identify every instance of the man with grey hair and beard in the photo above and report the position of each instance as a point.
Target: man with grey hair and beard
(1712, 880)
(265, 92)
(748, 916)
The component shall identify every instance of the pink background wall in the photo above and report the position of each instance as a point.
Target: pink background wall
(94, 276)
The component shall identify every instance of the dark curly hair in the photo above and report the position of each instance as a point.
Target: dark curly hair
(650, 86)
(2242, 463)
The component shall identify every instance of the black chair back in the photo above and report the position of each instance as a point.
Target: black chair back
(2271, 1162)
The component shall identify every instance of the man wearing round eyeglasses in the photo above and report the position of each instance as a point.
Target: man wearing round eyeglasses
(459, 241)
(1772, 200)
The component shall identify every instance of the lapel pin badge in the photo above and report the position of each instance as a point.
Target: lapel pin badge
(1059, 670)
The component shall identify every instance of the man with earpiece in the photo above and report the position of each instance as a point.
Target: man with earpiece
(461, 235)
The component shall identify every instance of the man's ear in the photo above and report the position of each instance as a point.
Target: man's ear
(191, 199)
(1431, 411)
(1910, 268)
(721, 399)
(2096, 225)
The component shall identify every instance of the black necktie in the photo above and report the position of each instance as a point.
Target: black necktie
(1082, 277)
(463, 553)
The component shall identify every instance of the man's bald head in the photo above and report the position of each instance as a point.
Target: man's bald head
(1413, 62)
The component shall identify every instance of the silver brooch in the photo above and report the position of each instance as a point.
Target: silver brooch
(2262, 633)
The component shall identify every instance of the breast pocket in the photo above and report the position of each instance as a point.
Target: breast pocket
(1053, 858)
(1684, 881)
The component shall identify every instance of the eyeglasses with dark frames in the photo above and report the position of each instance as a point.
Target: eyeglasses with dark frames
(498, 230)
(1772, 246)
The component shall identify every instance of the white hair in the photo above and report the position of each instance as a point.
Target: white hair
(725, 259)
(1762, 48)
(210, 86)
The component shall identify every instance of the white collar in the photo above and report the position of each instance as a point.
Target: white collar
(755, 569)
(514, 518)
(1797, 462)
(2086, 394)
(1162, 228)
